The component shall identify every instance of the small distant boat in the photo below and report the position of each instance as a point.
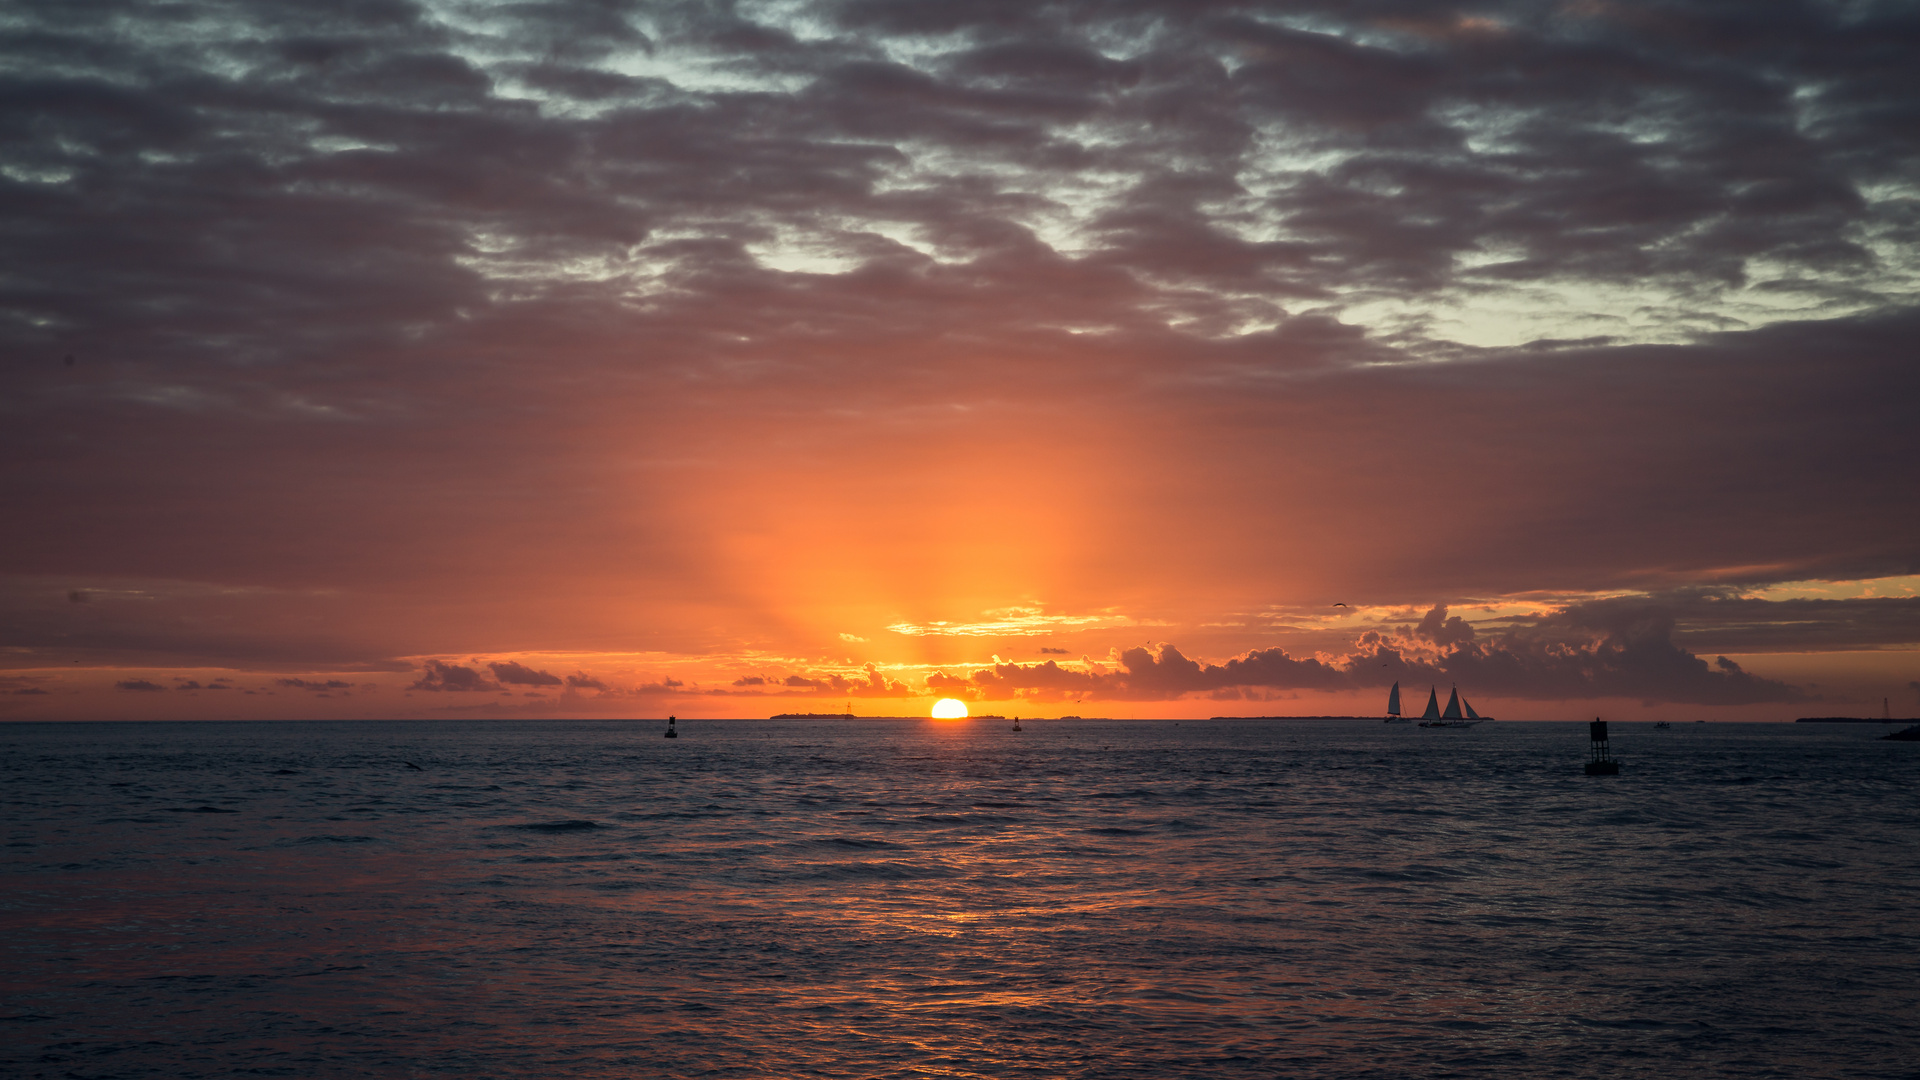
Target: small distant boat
(1393, 707)
(1662, 726)
(1433, 717)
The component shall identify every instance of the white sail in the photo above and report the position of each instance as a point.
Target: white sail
(1471, 715)
(1433, 706)
(1453, 706)
(1393, 701)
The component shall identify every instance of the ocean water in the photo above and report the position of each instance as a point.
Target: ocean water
(915, 899)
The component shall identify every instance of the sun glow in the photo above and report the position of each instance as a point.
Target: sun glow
(949, 709)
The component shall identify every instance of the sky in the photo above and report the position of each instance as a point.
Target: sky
(449, 359)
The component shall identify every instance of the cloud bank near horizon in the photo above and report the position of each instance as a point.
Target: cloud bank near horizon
(1628, 652)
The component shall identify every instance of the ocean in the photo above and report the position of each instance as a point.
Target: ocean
(909, 898)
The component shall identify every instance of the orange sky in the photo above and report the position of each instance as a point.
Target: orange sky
(875, 361)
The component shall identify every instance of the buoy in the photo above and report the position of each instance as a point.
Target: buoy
(671, 734)
(1599, 756)
(1016, 723)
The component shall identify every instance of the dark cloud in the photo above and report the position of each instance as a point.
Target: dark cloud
(137, 684)
(319, 686)
(444, 676)
(1049, 651)
(801, 681)
(516, 674)
(750, 680)
(876, 684)
(294, 155)
(1709, 620)
(1446, 632)
(942, 683)
(1605, 649)
(145, 622)
(580, 680)
(23, 685)
(1622, 652)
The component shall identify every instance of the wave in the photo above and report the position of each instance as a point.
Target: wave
(568, 826)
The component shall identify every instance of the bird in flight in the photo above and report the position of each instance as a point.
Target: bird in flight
(1339, 605)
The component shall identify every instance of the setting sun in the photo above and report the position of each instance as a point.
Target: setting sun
(949, 709)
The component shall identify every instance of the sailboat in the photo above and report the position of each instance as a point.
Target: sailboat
(1393, 707)
(1433, 717)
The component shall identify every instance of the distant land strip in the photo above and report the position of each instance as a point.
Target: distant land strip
(1299, 718)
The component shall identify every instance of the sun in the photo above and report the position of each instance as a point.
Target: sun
(949, 709)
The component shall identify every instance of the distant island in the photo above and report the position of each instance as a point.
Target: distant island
(1848, 720)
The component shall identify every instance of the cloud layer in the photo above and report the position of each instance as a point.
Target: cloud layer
(1629, 654)
(339, 337)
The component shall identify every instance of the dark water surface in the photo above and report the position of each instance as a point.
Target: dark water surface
(913, 899)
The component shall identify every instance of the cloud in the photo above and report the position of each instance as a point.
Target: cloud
(1181, 305)
(750, 680)
(1720, 619)
(138, 684)
(580, 680)
(518, 675)
(33, 690)
(1436, 627)
(876, 684)
(1048, 650)
(329, 684)
(442, 676)
(1012, 622)
(1604, 649)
